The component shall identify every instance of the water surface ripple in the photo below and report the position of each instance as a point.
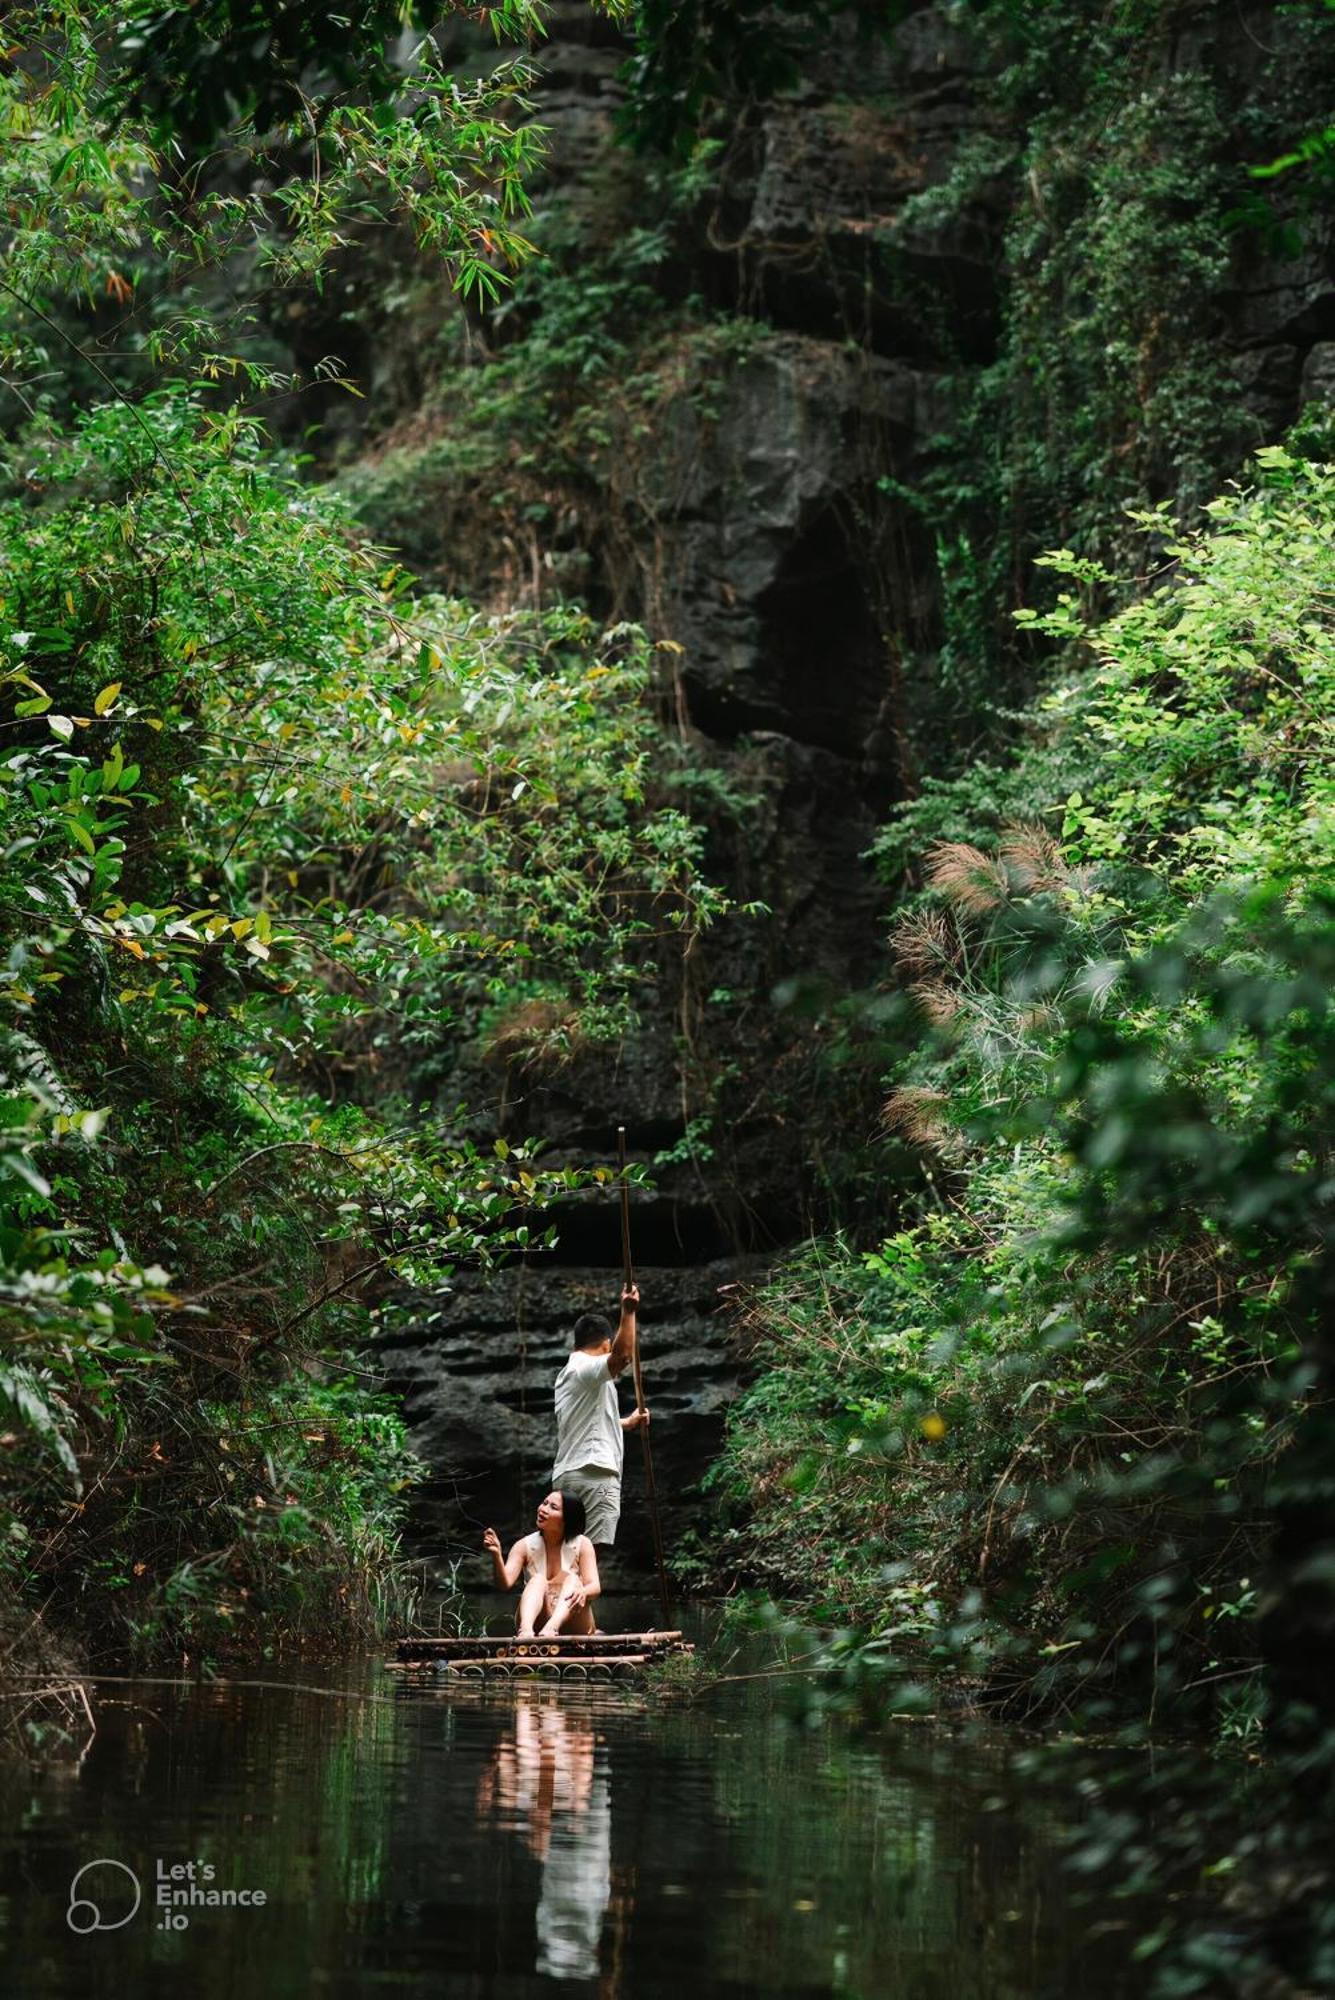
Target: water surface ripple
(516, 1841)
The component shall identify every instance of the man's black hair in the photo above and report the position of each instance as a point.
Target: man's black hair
(590, 1329)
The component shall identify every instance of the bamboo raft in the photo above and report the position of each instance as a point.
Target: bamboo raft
(593, 1656)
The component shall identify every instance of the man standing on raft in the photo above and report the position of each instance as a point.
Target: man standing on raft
(590, 1429)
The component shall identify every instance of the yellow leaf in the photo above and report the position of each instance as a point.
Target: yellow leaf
(343, 937)
(106, 698)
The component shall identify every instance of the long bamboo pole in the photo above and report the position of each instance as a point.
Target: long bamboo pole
(628, 1272)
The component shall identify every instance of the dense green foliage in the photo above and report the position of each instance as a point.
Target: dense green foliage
(280, 836)
(259, 878)
(196, 71)
(1065, 1432)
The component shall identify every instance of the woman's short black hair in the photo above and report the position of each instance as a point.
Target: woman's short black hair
(590, 1330)
(573, 1516)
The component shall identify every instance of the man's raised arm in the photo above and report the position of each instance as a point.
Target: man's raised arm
(622, 1351)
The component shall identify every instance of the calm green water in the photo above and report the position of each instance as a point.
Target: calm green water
(525, 1841)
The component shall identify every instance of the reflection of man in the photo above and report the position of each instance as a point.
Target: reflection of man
(576, 1883)
(590, 1429)
(547, 1775)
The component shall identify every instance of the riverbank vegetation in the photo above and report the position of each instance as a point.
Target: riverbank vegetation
(280, 834)
(1012, 1400)
(1059, 1445)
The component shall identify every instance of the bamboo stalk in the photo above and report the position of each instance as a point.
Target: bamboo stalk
(628, 1272)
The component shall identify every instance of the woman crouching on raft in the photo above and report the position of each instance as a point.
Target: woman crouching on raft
(559, 1568)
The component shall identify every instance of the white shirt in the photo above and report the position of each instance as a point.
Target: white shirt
(588, 1417)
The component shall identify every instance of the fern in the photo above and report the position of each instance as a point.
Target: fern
(43, 1410)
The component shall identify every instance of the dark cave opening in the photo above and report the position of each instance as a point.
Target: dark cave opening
(821, 651)
(823, 667)
(669, 1232)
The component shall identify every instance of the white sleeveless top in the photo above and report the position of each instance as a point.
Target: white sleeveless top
(535, 1555)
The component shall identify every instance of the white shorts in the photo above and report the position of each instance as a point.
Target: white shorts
(600, 1490)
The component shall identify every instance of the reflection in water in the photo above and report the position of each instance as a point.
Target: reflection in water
(550, 1780)
(453, 1842)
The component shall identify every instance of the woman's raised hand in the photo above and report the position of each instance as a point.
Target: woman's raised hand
(491, 1542)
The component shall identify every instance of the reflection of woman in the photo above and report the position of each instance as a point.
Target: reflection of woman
(541, 1771)
(559, 1568)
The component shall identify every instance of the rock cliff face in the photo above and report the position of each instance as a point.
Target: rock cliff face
(760, 524)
